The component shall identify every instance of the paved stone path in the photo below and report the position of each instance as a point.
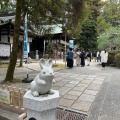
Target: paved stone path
(80, 87)
(77, 91)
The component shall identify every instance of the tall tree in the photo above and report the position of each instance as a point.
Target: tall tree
(13, 57)
(88, 36)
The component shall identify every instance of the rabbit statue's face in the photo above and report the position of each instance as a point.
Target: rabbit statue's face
(46, 69)
(47, 73)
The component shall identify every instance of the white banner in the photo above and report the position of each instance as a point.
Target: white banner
(71, 43)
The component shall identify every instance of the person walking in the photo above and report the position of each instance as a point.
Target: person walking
(82, 56)
(94, 55)
(77, 57)
(104, 58)
(88, 56)
(70, 57)
(98, 56)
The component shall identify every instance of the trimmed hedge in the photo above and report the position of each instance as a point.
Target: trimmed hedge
(117, 60)
(111, 57)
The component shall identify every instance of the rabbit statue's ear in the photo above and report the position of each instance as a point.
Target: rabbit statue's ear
(42, 63)
(49, 62)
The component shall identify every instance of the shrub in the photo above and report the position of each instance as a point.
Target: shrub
(117, 60)
(111, 57)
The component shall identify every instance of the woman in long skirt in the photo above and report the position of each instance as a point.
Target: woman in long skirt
(77, 57)
(70, 58)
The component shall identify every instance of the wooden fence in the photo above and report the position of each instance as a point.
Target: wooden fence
(16, 99)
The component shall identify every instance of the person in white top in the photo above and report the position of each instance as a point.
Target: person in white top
(77, 56)
(104, 57)
(98, 59)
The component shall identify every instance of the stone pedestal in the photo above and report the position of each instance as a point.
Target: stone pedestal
(42, 107)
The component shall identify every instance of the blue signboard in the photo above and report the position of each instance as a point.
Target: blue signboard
(25, 39)
(71, 43)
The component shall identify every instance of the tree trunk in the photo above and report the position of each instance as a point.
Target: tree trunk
(13, 57)
(21, 55)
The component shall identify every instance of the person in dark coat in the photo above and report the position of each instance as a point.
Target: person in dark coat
(70, 58)
(88, 55)
(82, 56)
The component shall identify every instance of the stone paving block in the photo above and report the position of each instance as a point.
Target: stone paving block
(78, 88)
(79, 79)
(74, 92)
(97, 82)
(86, 97)
(73, 76)
(58, 79)
(70, 85)
(94, 87)
(90, 92)
(69, 78)
(82, 85)
(82, 105)
(60, 83)
(66, 102)
(65, 80)
(99, 79)
(92, 76)
(83, 76)
(88, 78)
(71, 97)
(74, 82)
(86, 81)
(64, 90)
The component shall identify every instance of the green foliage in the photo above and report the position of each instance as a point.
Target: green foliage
(7, 7)
(51, 49)
(109, 39)
(117, 60)
(76, 16)
(45, 12)
(111, 57)
(88, 36)
(111, 12)
(102, 25)
(94, 6)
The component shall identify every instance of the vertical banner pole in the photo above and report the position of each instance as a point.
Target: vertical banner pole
(26, 80)
(25, 42)
(65, 50)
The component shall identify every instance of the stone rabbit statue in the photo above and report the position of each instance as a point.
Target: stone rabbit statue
(42, 83)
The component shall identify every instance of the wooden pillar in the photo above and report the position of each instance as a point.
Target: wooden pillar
(0, 35)
(9, 27)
